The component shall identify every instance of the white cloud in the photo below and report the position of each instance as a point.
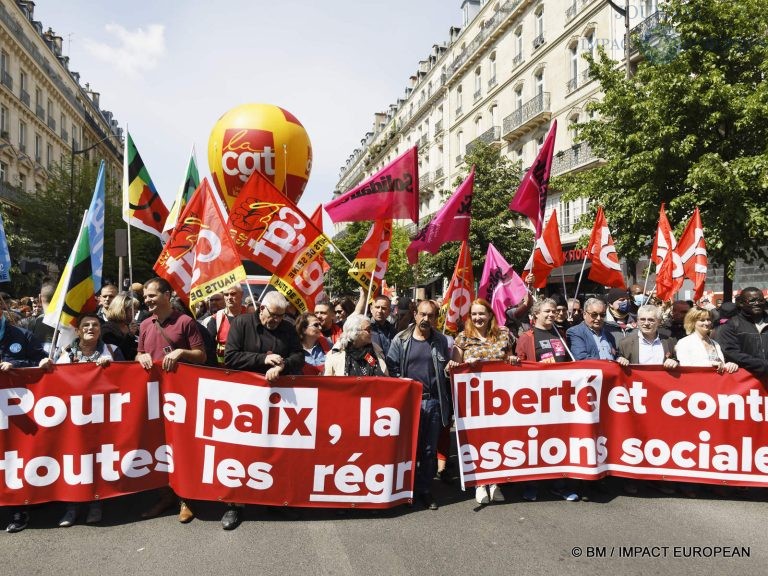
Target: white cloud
(134, 51)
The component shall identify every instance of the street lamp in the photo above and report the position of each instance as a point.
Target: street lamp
(627, 49)
(74, 152)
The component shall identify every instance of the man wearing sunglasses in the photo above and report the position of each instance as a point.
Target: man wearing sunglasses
(589, 340)
(744, 338)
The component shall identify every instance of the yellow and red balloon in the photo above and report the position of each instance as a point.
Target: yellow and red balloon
(259, 137)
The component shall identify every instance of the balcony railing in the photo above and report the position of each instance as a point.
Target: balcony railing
(64, 135)
(570, 14)
(490, 136)
(643, 33)
(7, 80)
(24, 95)
(459, 159)
(535, 110)
(40, 111)
(438, 128)
(439, 174)
(579, 81)
(425, 180)
(478, 94)
(576, 156)
(422, 142)
(517, 60)
(492, 82)
(458, 112)
(538, 41)
(52, 123)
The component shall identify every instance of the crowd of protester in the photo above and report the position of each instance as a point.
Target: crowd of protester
(398, 338)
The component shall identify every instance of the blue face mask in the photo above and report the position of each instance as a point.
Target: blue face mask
(623, 306)
(640, 299)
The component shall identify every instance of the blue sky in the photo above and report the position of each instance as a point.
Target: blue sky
(170, 69)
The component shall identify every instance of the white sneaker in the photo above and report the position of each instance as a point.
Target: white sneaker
(496, 494)
(481, 495)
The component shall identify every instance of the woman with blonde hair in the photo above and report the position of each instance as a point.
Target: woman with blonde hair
(119, 329)
(698, 348)
(484, 340)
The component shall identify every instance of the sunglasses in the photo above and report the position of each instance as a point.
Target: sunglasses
(595, 315)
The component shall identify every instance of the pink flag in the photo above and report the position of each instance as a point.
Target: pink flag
(498, 272)
(531, 196)
(450, 223)
(509, 292)
(391, 193)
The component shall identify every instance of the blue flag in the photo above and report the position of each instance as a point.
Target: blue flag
(96, 229)
(5, 256)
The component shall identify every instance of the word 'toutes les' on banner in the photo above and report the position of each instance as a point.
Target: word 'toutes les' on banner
(593, 418)
(83, 432)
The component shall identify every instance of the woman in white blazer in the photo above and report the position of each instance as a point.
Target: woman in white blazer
(698, 349)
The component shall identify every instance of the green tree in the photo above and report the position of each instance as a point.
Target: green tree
(688, 129)
(496, 179)
(51, 218)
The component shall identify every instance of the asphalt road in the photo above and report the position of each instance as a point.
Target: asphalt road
(549, 536)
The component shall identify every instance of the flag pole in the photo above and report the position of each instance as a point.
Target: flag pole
(647, 274)
(370, 289)
(581, 274)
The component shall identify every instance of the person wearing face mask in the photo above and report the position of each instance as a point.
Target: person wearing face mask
(744, 338)
(638, 297)
(619, 321)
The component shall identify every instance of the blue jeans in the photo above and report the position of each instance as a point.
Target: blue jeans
(430, 425)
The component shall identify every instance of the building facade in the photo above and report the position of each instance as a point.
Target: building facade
(46, 116)
(512, 69)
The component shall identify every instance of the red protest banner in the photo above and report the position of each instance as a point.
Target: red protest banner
(83, 432)
(592, 418)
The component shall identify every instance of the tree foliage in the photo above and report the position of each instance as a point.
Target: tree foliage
(51, 217)
(688, 129)
(496, 179)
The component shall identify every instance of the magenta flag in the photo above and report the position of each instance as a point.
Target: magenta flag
(509, 292)
(531, 196)
(391, 193)
(450, 223)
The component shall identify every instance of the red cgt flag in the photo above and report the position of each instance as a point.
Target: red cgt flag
(531, 196)
(547, 255)
(669, 267)
(461, 291)
(269, 229)
(450, 223)
(693, 253)
(391, 193)
(200, 258)
(605, 268)
(373, 257)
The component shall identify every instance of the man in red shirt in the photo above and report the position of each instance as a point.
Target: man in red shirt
(169, 337)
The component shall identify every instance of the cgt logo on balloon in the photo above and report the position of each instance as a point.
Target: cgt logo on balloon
(244, 151)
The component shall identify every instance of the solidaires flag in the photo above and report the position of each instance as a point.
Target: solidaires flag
(75, 292)
(142, 206)
(187, 188)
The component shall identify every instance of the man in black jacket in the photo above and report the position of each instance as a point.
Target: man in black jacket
(265, 343)
(744, 338)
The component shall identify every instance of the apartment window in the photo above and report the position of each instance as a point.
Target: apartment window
(49, 156)
(565, 216)
(49, 109)
(539, 22)
(23, 182)
(478, 126)
(538, 81)
(38, 147)
(492, 69)
(459, 99)
(573, 55)
(518, 97)
(22, 136)
(5, 62)
(589, 43)
(478, 83)
(647, 8)
(519, 44)
(494, 115)
(4, 121)
(38, 97)
(460, 143)
(3, 172)
(23, 83)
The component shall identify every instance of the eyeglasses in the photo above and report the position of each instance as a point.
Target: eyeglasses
(274, 315)
(756, 301)
(595, 315)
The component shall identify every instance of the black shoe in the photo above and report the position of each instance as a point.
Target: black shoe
(428, 501)
(19, 521)
(231, 519)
